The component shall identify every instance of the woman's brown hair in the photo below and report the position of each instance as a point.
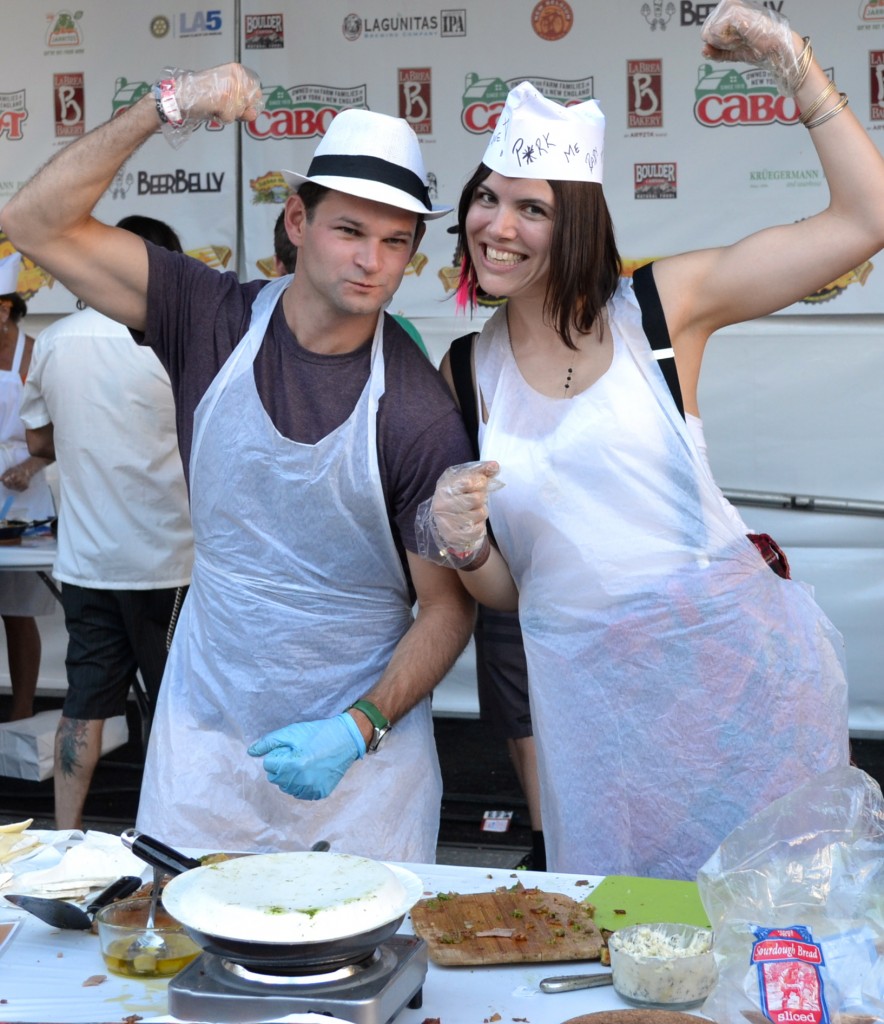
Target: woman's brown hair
(584, 265)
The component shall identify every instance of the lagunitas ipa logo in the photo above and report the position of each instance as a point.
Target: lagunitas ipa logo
(13, 114)
(484, 98)
(70, 104)
(655, 181)
(552, 20)
(303, 111)
(263, 32)
(453, 23)
(415, 99)
(63, 31)
(725, 96)
(644, 91)
(876, 86)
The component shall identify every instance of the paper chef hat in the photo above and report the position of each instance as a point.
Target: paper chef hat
(9, 268)
(537, 138)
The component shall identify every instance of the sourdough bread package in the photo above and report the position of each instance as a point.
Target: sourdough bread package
(796, 901)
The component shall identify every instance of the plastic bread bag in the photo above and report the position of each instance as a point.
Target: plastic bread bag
(796, 901)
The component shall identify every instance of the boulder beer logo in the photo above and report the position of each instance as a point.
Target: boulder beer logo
(725, 96)
(876, 86)
(655, 181)
(644, 89)
(70, 104)
(415, 106)
(303, 111)
(264, 32)
(13, 114)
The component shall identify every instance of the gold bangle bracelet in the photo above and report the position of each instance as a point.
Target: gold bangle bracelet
(829, 113)
(806, 115)
(802, 62)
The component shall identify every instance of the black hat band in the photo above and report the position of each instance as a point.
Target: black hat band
(371, 168)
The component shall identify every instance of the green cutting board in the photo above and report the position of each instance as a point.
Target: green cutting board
(621, 900)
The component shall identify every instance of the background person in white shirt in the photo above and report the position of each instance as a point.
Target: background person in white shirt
(102, 406)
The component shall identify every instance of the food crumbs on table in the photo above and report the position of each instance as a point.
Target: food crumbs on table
(582, 881)
(95, 979)
(432, 1020)
(616, 911)
(59, 955)
(133, 1018)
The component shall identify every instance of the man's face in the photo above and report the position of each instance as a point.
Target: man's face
(352, 252)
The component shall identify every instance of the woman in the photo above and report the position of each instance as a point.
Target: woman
(677, 684)
(22, 595)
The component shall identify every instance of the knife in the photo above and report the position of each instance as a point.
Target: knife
(61, 914)
(571, 982)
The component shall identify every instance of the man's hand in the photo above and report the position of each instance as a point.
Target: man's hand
(450, 526)
(226, 93)
(308, 759)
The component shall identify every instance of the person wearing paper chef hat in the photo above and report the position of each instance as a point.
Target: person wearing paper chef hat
(295, 702)
(677, 684)
(24, 496)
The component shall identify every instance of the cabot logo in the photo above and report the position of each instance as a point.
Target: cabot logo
(725, 96)
(303, 111)
(13, 114)
(64, 31)
(644, 90)
(484, 98)
(552, 19)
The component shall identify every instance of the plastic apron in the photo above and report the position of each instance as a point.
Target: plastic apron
(677, 685)
(296, 604)
(36, 502)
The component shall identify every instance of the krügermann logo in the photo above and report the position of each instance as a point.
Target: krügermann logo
(725, 96)
(786, 178)
(484, 98)
(303, 111)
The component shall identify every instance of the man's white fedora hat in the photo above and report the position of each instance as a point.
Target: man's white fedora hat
(9, 268)
(537, 138)
(373, 156)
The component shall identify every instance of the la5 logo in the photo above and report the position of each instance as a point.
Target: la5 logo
(204, 23)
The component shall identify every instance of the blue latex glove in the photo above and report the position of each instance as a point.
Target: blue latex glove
(308, 759)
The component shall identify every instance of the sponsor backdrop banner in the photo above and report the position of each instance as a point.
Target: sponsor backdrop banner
(67, 70)
(696, 154)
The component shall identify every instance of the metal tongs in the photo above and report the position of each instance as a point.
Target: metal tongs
(572, 982)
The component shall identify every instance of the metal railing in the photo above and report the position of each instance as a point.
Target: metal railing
(805, 503)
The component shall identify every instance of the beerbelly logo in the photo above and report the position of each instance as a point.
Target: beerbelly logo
(644, 91)
(13, 114)
(263, 32)
(725, 96)
(655, 181)
(303, 111)
(415, 99)
(484, 98)
(70, 104)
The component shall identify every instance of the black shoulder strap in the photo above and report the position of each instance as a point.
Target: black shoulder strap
(654, 325)
(460, 359)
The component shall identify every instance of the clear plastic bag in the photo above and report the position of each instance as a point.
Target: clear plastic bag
(796, 901)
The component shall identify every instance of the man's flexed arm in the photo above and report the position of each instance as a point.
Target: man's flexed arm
(50, 219)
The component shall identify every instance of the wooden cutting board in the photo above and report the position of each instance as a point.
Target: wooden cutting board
(527, 925)
(622, 900)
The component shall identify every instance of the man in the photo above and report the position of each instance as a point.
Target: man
(102, 406)
(310, 431)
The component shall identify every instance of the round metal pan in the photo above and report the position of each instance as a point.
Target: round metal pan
(284, 910)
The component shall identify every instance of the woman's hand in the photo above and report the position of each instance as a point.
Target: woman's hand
(451, 526)
(18, 478)
(740, 30)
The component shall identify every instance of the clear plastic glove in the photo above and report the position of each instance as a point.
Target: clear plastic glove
(308, 759)
(451, 526)
(740, 30)
(226, 93)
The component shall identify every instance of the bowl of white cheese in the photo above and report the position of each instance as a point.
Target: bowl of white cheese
(663, 965)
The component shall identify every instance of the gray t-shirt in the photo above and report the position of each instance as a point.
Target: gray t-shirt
(197, 316)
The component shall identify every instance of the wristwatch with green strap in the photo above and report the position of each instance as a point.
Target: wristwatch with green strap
(380, 725)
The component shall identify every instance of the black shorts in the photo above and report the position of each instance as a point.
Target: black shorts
(112, 634)
(502, 674)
